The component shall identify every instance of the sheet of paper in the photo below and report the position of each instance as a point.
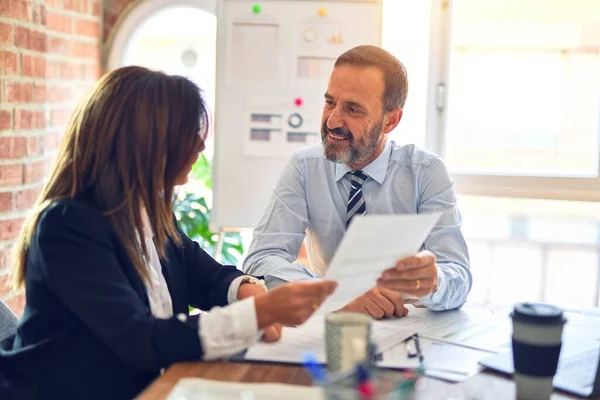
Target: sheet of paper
(475, 327)
(205, 389)
(372, 244)
(310, 337)
(441, 360)
(255, 54)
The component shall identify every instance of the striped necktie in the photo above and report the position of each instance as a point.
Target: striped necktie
(356, 201)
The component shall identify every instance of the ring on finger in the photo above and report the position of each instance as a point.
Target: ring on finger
(418, 284)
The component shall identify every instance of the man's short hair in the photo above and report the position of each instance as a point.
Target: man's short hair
(396, 81)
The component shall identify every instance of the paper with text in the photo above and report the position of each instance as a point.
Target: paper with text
(372, 244)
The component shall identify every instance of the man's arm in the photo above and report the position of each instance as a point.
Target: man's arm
(278, 237)
(446, 240)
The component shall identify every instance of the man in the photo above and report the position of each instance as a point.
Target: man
(357, 171)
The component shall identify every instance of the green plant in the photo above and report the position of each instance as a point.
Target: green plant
(193, 214)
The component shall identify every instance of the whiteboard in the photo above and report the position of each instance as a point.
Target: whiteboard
(274, 59)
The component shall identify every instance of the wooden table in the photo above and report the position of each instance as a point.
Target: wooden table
(486, 385)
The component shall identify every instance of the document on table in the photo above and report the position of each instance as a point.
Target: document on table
(471, 328)
(441, 360)
(310, 337)
(475, 327)
(372, 244)
(205, 389)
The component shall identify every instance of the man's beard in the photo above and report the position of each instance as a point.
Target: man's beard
(357, 152)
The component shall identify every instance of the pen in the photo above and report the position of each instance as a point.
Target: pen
(317, 372)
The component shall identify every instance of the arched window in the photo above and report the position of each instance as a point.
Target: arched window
(177, 37)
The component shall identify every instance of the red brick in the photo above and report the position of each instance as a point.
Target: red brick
(27, 119)
(33, 147)
(34, 172)
(13, 147)
(33, 66)
(91, 71)
(23, 119)
(39, 15)
(25, 199)
(39, 120)
(84, 50)
(51, 68)
(76, 5)
(17, 9)
(85, 27)
(11, 174)
(51, 141)
(16, 304)
(6, 33)
(6, 201)
(60, 117)
(58, 46)
(54, 4)
(39, 92)
(58, 22)
(20, 92)
(69, 70)
(32, 40)
(5, 120)
(58, 94)
(97, 9)
(8, 62)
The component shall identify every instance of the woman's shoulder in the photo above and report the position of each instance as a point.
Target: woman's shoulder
(64, 213)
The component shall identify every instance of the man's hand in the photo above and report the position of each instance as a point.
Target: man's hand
(379, 303)
(416, 275)
(270, 333)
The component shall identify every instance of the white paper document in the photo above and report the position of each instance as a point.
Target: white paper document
(372, 244)
(310, 337)
(441, 360)
(206, 389)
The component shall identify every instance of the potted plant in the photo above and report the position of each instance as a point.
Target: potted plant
(192, 211)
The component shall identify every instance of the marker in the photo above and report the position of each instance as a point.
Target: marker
(322, 12)
(317, 372)
(256, 8)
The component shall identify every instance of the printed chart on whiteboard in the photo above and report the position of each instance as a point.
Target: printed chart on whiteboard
(278, 126)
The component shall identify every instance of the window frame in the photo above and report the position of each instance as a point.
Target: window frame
(501, 185)
(126, 25)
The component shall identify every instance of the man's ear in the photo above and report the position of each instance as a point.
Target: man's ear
(392, 120)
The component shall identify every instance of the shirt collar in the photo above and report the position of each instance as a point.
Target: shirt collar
(376, 169)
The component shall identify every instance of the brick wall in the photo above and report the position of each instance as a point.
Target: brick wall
(49, 56)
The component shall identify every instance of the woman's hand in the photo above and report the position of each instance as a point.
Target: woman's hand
(291, 304)
(270, 333)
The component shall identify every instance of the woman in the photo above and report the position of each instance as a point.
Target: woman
(108, 275)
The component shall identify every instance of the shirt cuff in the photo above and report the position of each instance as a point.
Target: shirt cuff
(434, 300)
(232, 293)
(225, 331)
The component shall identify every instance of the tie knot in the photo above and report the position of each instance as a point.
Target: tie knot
(357, 178)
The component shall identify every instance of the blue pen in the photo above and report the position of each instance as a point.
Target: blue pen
(317, 372)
